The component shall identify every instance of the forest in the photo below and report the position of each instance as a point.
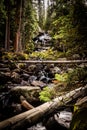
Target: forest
(43, 64)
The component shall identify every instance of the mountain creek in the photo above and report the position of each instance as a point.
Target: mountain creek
(20, 88)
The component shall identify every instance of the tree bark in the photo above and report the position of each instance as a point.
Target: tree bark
(28, 118)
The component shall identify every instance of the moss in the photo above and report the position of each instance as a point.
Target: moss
(79, 121)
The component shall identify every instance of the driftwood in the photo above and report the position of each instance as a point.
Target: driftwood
(28, 118)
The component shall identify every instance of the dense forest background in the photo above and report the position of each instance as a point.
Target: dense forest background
(65, 20)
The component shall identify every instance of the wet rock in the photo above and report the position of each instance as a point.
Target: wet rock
(25, 76)
(38, 126)
(61, 120)
(43, 76)
(32, 78)
(64, 118)
(38, 83)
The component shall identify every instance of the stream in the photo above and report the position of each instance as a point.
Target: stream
(31, 75)
(37, 76)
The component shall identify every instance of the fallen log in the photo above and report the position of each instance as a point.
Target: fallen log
(48, 61)
(25, 104)
(28, 118)
(53, 62)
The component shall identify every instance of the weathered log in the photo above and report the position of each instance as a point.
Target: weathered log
(53, 62)
(28, 118)
(49, 61)
(25, 104)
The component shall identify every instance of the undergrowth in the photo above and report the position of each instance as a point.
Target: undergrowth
(72, 78)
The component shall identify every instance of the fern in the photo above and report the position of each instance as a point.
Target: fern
(45, 94)
(61, 77)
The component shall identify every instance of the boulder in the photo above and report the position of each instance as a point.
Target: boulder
(79, 120)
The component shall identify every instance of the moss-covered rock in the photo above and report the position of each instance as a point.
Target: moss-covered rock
(79, 121)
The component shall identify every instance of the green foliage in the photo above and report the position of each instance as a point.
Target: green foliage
(61, 77)
(15, 56)
(78, 75)
(46, 94)
(48, 54)
(31, 25)
(73, 76)
(21, 56)
(68, 25)
(7, 56)
(2, 21)
(29, 47)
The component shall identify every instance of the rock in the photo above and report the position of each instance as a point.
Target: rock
(31, 68)
(24, 83)
(76, 57)
(17, 108)
(5, 77)
(25, 76)
(56, 70)
(38, 83)
(64, 118)
(38, 126)
(31, 79)
(79, 120)
(16, 78)
(61, 120)
(5, 69)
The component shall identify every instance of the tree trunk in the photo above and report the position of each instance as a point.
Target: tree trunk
(7, 32)
(34, 115)
(17, 43)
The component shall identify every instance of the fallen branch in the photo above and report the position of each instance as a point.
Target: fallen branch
(25, 104)
(28, 118)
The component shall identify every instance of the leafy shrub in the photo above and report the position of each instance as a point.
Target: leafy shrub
(46, 94)
(78, 74)
(21, 56)
(61, 77)
(7, 56)
(15, 56)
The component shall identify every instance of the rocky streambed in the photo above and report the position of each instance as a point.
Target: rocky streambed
(20, 85)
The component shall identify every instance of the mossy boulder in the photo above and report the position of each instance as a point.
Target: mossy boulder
(79, 121)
